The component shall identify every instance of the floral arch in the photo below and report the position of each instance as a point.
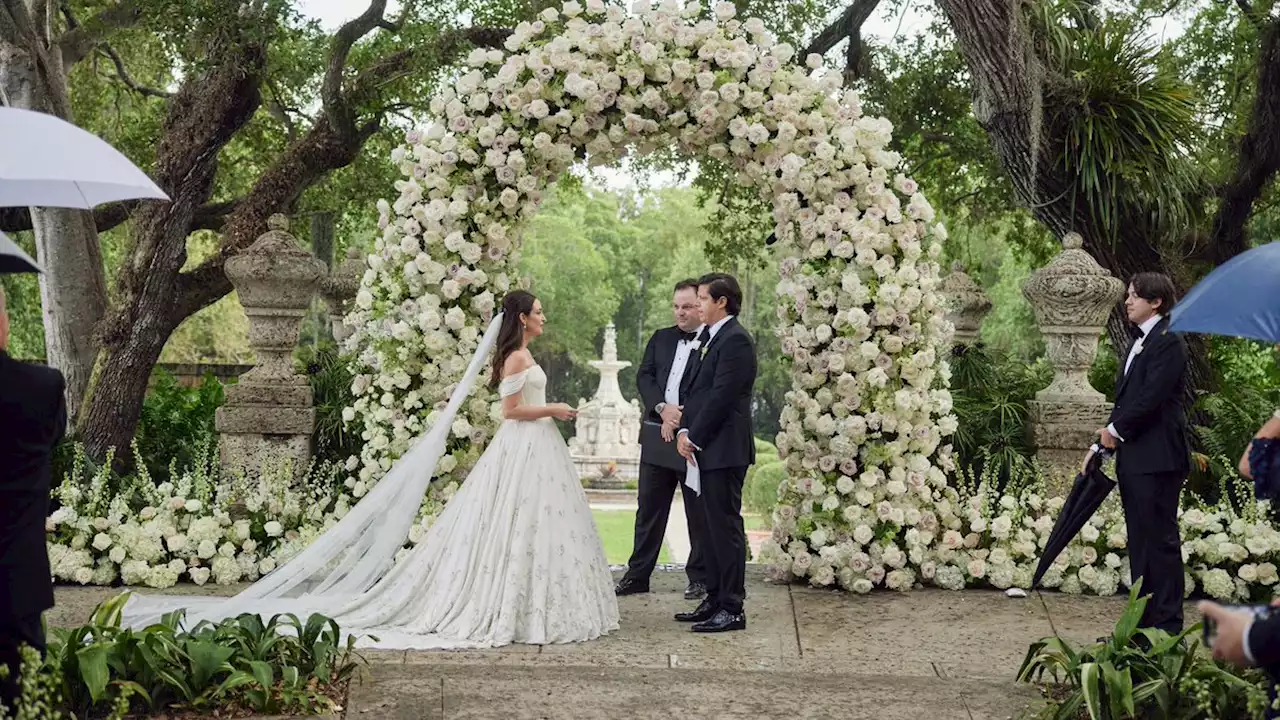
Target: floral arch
(866, 421)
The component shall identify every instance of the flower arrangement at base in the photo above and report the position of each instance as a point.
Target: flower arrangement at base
(994, 539)
(202, 527)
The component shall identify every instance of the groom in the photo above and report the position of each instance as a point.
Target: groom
(715, 436)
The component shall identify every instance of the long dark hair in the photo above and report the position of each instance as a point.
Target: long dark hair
(511, 334)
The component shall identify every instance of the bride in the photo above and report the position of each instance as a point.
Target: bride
(514, 557)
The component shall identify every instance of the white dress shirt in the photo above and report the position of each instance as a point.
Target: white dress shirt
(1146, 328)
(684, 349)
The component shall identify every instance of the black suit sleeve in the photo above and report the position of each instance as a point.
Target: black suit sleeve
(1264, 641)
(734, 374)
(58, 428)
(1164, 375)
(651, 390)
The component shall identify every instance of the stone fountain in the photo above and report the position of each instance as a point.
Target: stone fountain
(606, 446)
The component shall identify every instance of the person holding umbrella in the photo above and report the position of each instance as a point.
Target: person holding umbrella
(32, 420)
(1147, 431)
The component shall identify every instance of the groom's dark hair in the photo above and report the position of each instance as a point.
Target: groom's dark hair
(723, 285)
(1152, 286)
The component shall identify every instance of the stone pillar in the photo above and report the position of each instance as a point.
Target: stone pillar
(1072, 298)
(269, 414)
(967, 304)
(339, 288)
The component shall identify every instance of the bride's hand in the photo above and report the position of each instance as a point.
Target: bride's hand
(562, 411)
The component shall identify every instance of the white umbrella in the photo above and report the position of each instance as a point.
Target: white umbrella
(46, 161)
(13, 260)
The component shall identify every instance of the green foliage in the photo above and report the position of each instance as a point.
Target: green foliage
(177, 423)
(1145, 673)
(277, 666)
(760, 489)
(22, 302)
(1127, 121)
(332, 441)
(991, 393)
(1249, 392)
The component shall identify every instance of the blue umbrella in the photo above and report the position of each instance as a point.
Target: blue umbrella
(1241, 298)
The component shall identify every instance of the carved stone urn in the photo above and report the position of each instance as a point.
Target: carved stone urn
(1071, 297)
(339, 289)
(269, 414)
(967, 304)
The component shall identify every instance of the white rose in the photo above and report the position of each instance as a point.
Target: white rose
(101, 541)
(273, 528)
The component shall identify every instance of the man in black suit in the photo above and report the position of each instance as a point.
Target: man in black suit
(716, 438)
(32, 420)
(663, 378)
(1148, 431)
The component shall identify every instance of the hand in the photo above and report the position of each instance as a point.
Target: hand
(1228, 643)
(686, 449)
(668, 432)
(671, 414)
(562, 411)
(1108, 440)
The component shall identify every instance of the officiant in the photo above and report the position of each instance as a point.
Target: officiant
(33, 417)
(662, 380)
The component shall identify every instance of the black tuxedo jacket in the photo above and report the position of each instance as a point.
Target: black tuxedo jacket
(1149, 412)
(717, 409)
(33, 417)
(651, 377)
(1264, 641)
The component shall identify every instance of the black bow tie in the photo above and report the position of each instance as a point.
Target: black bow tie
(688, 336)
(1135, 332)
(705, 336)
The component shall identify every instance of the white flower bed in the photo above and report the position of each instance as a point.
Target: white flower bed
(979, 539)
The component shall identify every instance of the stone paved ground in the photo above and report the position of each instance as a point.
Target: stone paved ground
(927, 654)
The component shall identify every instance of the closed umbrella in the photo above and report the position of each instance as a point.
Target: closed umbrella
(1091, 487)
(1240, 298)
(46, 161)
(13, 259)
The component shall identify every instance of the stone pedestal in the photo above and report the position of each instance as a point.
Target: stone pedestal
(967, 304)
(1072, 298)
(269, 413)
(339, 288)
(606, 447)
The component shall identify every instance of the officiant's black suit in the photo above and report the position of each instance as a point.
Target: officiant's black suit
(1152, 463)
(717, 415)
(659, 475)
(33, 418)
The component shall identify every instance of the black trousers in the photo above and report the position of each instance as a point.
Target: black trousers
(657, 489)
(1155, 547)
(14, 633)
(726, 538)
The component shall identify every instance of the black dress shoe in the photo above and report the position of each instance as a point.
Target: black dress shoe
(704, 612)
(627, 586)
(722, 621)
(695, 591)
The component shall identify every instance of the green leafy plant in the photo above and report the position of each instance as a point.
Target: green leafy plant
(332, 440)
(1140, 673)
(177, 423)
(991, 395)
(280, 666)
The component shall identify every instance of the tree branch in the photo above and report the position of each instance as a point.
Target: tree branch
(123, 75)
(336, 108)
(1250, 14)
(210, 216)
(77, 42)
(848, 25)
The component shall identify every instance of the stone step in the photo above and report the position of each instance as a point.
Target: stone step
(422, 691)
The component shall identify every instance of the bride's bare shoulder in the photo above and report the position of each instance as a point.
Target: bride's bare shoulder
(517, 362)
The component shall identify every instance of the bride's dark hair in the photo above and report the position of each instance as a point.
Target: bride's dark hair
(511, 334)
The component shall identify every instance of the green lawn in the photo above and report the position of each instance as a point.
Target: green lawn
(617, 532)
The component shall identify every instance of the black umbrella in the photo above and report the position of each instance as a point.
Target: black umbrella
(13, 260)
(1091, 487)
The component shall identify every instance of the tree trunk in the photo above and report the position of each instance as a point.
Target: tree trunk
(73, 294)
(73, 287)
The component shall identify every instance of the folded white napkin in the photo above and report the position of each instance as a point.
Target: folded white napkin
(693, 479)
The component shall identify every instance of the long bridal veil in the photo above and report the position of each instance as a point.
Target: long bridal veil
(349, 558)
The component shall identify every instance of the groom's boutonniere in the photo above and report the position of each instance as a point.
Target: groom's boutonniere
(703, 351)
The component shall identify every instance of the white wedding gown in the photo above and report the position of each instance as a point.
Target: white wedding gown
(514, 557)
